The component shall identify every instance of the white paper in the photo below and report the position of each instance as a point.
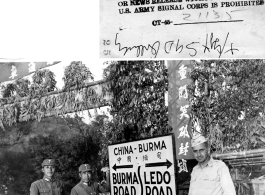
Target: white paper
(193, 29)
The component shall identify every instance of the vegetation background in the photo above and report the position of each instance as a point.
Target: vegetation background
(226, 96)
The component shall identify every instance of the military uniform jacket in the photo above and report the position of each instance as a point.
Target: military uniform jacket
(212, 179)
(83, 189)
(44, 187)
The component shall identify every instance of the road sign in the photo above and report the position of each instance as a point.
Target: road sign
(143, 167)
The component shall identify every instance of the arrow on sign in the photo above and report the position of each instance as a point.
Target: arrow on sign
(122, 166)
(158, 164)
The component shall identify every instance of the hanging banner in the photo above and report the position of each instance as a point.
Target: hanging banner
(143, 167)
(16, 70)
(179, 109)
(182, 29)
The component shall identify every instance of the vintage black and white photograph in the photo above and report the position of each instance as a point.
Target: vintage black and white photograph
(132, 127)
(132, 97)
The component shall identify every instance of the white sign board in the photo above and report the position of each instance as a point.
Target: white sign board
(143, 167)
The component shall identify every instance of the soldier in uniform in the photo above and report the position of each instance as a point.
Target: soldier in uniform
(209, 176)
(85, 186)
(47, 185)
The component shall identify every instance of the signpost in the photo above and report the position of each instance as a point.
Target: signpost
(179, 116)
(143, 167)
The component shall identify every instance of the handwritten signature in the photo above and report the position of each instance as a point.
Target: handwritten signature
(154, 48)
(211, 44)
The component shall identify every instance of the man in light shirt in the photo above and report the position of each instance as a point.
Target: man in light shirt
(47, 185)
(209, 176)
(86, 186)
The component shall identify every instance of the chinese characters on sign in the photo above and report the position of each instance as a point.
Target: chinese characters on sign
(183, 92)
(13, 72)
(182, 71)
(16, 70)
(183, 149)
(182, 164)
(179, 112)
(32, 67)
(183, 131)
(143, 167)
(183, 110)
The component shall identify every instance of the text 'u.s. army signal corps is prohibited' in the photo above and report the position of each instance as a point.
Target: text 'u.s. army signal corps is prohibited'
(143, 167)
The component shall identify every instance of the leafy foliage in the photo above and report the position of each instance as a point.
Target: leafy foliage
(19, 169)
(19, 88)
(104, 127)
(222, 91)
(76, 74)
(16, 173)
(82, 147)
(36, 104)
(138, 105)
(69, 154)
(43, 82)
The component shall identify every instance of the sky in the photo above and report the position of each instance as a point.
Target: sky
(58, 69)
(61, 30)
(97, 72)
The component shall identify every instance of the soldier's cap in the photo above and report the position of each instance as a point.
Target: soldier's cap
(84, 167)
(48, 162)
(197, 140)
